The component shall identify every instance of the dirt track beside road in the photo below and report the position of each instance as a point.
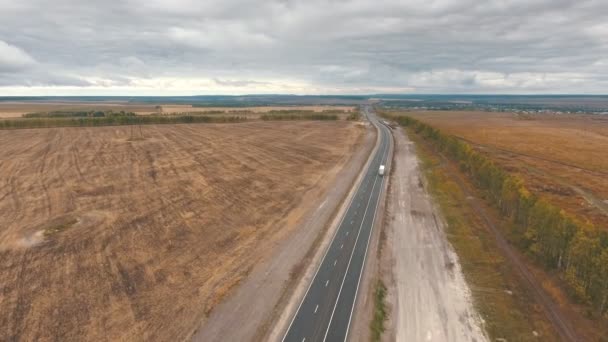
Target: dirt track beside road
(428, 297)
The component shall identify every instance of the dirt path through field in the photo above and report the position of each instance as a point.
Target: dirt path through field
(428, 297)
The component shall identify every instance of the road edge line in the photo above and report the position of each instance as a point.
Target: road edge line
(349, 261)
(368, 247)
(353, 191)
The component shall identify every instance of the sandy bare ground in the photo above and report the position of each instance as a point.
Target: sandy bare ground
(107, 235)
(428, 297)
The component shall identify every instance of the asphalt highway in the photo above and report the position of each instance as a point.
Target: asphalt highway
(326, 310)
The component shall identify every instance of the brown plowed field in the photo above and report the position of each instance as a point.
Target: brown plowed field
(108, 234)
(564, 158)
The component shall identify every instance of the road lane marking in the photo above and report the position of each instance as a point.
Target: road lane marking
(323, 259)
(358, 193)
(364, 255)
(348, 266)
(347, 233)
(335, 261)
(342, 245)
(352, 221)
(326, 282)
(316, 308)
(353, 252)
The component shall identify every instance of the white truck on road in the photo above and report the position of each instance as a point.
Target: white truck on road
(381, 170)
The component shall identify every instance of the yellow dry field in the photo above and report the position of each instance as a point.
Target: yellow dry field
(112, 234)
(17, 109)
(562, 157)
(262, 109)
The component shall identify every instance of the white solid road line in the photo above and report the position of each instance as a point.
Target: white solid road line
(364, 172)
(349, 260)
(316, 308)
(327, 283)
(368, 164)
(353, 252)
(364, 258)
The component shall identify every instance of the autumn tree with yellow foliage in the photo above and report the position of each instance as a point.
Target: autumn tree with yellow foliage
(577, 250)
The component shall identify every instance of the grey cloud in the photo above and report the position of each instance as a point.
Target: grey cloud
(13, 59)
(335, 46)
(238, 83)
(40, 79)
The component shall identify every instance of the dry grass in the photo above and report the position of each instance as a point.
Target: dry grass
(263, 109)
(17, 109)
(105, 237)
(509, 307)
(505, 304)
(564, 158)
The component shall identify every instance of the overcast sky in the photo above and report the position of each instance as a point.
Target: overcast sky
(169, 47)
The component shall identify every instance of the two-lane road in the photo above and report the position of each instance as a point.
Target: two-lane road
(326, 310)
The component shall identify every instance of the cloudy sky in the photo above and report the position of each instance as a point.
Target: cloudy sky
(170, 47)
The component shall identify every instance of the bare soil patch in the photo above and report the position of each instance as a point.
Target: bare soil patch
(428, 297)
(104, 237)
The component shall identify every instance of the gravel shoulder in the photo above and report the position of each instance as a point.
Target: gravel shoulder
(428, 297)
